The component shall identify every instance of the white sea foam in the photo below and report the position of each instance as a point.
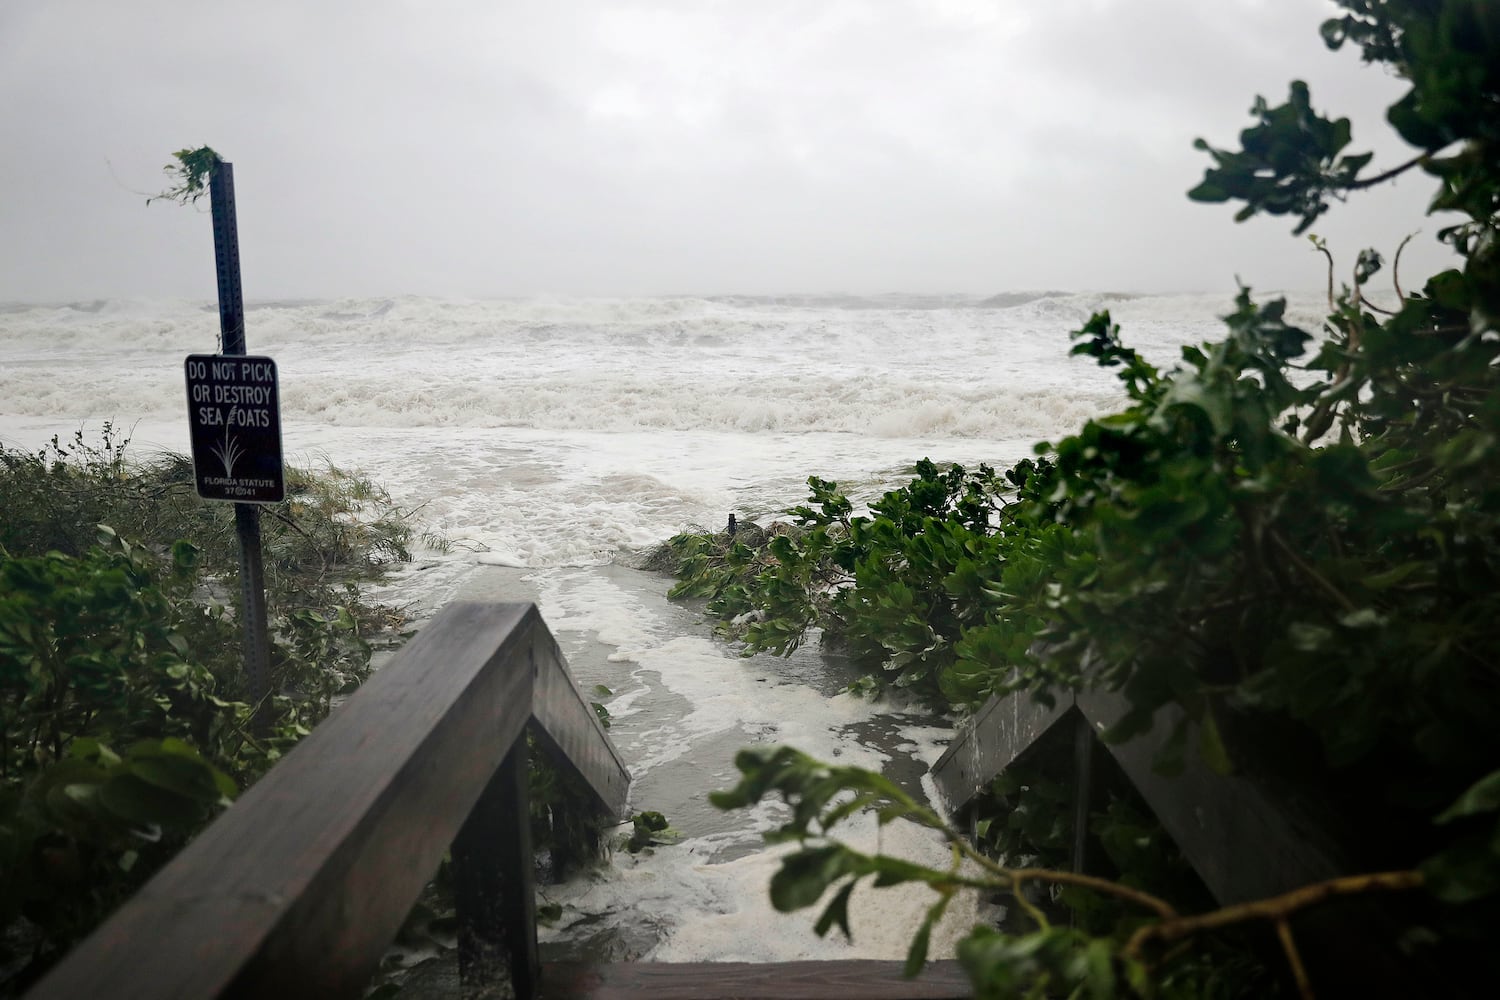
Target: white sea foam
(552, 435)
(705, 893)
(558, 432)
(681, 364)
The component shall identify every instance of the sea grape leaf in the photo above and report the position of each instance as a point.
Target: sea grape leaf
(836, 912)
(1211, 744)
(1481, 797)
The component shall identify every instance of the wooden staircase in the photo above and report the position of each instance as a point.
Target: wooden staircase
(1248, 835)
(826, 980)
(297, 890)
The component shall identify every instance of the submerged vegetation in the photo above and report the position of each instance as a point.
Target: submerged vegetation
(1291, 535)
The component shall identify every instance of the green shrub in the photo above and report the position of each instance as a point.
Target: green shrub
(1293, 532)
(122, 726)
(105, 705)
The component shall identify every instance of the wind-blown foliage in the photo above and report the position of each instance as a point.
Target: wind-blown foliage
(1292, 534)
(189, 175)
(121, 726)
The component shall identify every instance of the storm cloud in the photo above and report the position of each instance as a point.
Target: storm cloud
(615, 147)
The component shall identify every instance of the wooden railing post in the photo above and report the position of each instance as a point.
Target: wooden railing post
(1083, 790)
(299, 888)
(494, 888)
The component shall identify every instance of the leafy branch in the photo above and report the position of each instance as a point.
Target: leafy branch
(822, 796)
(1277, 910)
(189, 176)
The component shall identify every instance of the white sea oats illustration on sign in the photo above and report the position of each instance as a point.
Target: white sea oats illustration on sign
(228, 452)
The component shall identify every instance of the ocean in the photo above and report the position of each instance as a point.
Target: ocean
(554, 441)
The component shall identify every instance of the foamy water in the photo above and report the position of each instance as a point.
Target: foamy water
(552, 436)
(557, 433)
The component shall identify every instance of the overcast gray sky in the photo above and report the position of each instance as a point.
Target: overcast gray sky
(617, 147)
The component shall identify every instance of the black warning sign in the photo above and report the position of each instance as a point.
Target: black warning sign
(234, 417)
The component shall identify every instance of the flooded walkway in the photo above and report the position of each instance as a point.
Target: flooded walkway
(682, 704)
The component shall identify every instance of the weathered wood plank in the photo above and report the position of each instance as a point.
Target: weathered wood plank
(1243, 843)
(494, 886)
(299, 887)
(570, 729)
(1248, 841)
(1246, 838)
(990, 742)
(827, 980)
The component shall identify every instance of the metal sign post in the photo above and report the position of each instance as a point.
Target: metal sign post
(257, 643)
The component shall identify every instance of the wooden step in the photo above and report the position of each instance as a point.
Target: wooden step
(827, 980)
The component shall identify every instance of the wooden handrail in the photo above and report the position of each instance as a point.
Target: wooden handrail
(300, 886)
(1246, 836)
(1244, 842)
